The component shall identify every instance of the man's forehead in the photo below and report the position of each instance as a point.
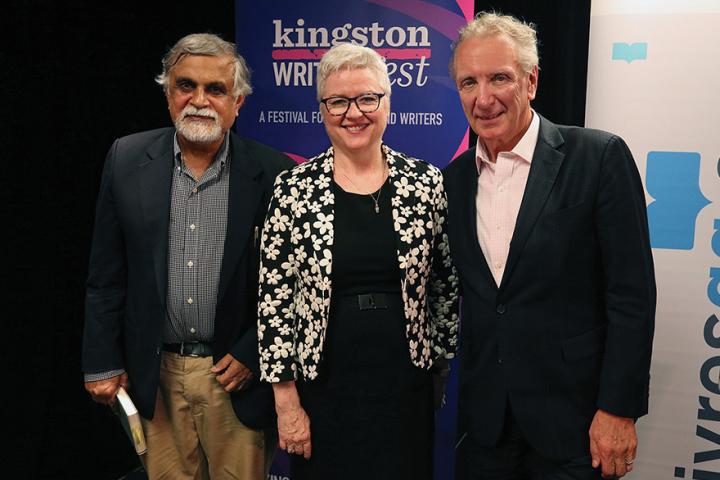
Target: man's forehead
(203, 64)
(490, 51)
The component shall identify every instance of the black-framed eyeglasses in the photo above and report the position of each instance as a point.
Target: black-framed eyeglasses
(366, 103)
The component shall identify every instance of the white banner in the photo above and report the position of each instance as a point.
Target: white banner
(654, 79)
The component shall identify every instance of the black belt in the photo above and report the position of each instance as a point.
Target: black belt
(372, 301)
(189, 349)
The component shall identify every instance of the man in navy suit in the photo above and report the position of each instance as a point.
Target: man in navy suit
(549, 233)
(171, 300)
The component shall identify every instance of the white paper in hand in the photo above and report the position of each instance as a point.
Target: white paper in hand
(130, 419)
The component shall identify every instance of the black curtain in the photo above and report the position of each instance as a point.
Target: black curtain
(563, 28)
(78, 74)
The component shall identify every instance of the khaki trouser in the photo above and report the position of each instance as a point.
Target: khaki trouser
(195, 434)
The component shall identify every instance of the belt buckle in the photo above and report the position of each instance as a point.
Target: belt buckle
(182, 350)
(366, 301)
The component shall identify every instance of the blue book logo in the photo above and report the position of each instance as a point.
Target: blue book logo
(673, 180)
(629, 52)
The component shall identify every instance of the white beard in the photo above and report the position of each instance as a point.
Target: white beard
(198, 131)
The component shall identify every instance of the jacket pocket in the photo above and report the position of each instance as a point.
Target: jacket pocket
(584, 345)
(569, 212)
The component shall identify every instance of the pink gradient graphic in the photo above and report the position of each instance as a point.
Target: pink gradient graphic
(316, 54)
(468, 8)
(463, 145)
(444, 21)
(404, 53)
(298, 158)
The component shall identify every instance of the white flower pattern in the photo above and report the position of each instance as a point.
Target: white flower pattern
(295, 282)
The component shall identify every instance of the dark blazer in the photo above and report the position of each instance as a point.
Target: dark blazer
(569, 330)
(125, 306)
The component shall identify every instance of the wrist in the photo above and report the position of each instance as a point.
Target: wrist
(286, 396)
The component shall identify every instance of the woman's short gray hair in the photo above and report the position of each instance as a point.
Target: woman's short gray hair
(349, 56)
(209, 45)
(521, 34)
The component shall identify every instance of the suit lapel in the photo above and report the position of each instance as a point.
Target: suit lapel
(467, 216)
(156, 171)
(546, 164)
(245, 193)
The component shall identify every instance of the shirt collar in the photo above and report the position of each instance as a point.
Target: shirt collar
(222, 155)
(524, 149)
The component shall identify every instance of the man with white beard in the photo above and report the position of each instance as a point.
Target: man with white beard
(170, 311)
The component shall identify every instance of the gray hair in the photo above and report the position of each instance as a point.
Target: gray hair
(349, 56)
(209, 45)
(522, 35)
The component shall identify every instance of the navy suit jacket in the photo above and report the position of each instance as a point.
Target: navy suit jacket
(125, 306)
(570, 327)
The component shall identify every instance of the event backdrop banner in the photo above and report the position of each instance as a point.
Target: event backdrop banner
(652, 79)
(283, 42)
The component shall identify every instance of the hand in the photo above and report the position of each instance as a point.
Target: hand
(232, 374)
(293, 422)
(104, 391)
(613, 444)
(294, 431)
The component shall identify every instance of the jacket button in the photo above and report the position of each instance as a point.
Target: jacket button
(499, 359)
(500, 309)
(158, 351)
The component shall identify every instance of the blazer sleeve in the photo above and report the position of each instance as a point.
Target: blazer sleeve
(443, 294)
(106, 283)
(621, 227)
(276, 286)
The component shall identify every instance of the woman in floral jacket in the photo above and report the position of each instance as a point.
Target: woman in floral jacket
(358, 294)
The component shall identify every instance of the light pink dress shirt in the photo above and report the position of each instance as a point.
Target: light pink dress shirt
(500, 190)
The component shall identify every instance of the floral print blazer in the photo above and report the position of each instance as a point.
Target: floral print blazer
(295, 280)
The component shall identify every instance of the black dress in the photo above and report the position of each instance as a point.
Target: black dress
(370, 408)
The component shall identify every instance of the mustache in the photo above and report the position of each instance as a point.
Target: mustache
(198, 112)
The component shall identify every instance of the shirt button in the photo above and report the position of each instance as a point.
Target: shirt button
(194, 190)
(498, 265)
(190, 300)
(190, 264)
(500, 189)
(192, 226)
(192, 329)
